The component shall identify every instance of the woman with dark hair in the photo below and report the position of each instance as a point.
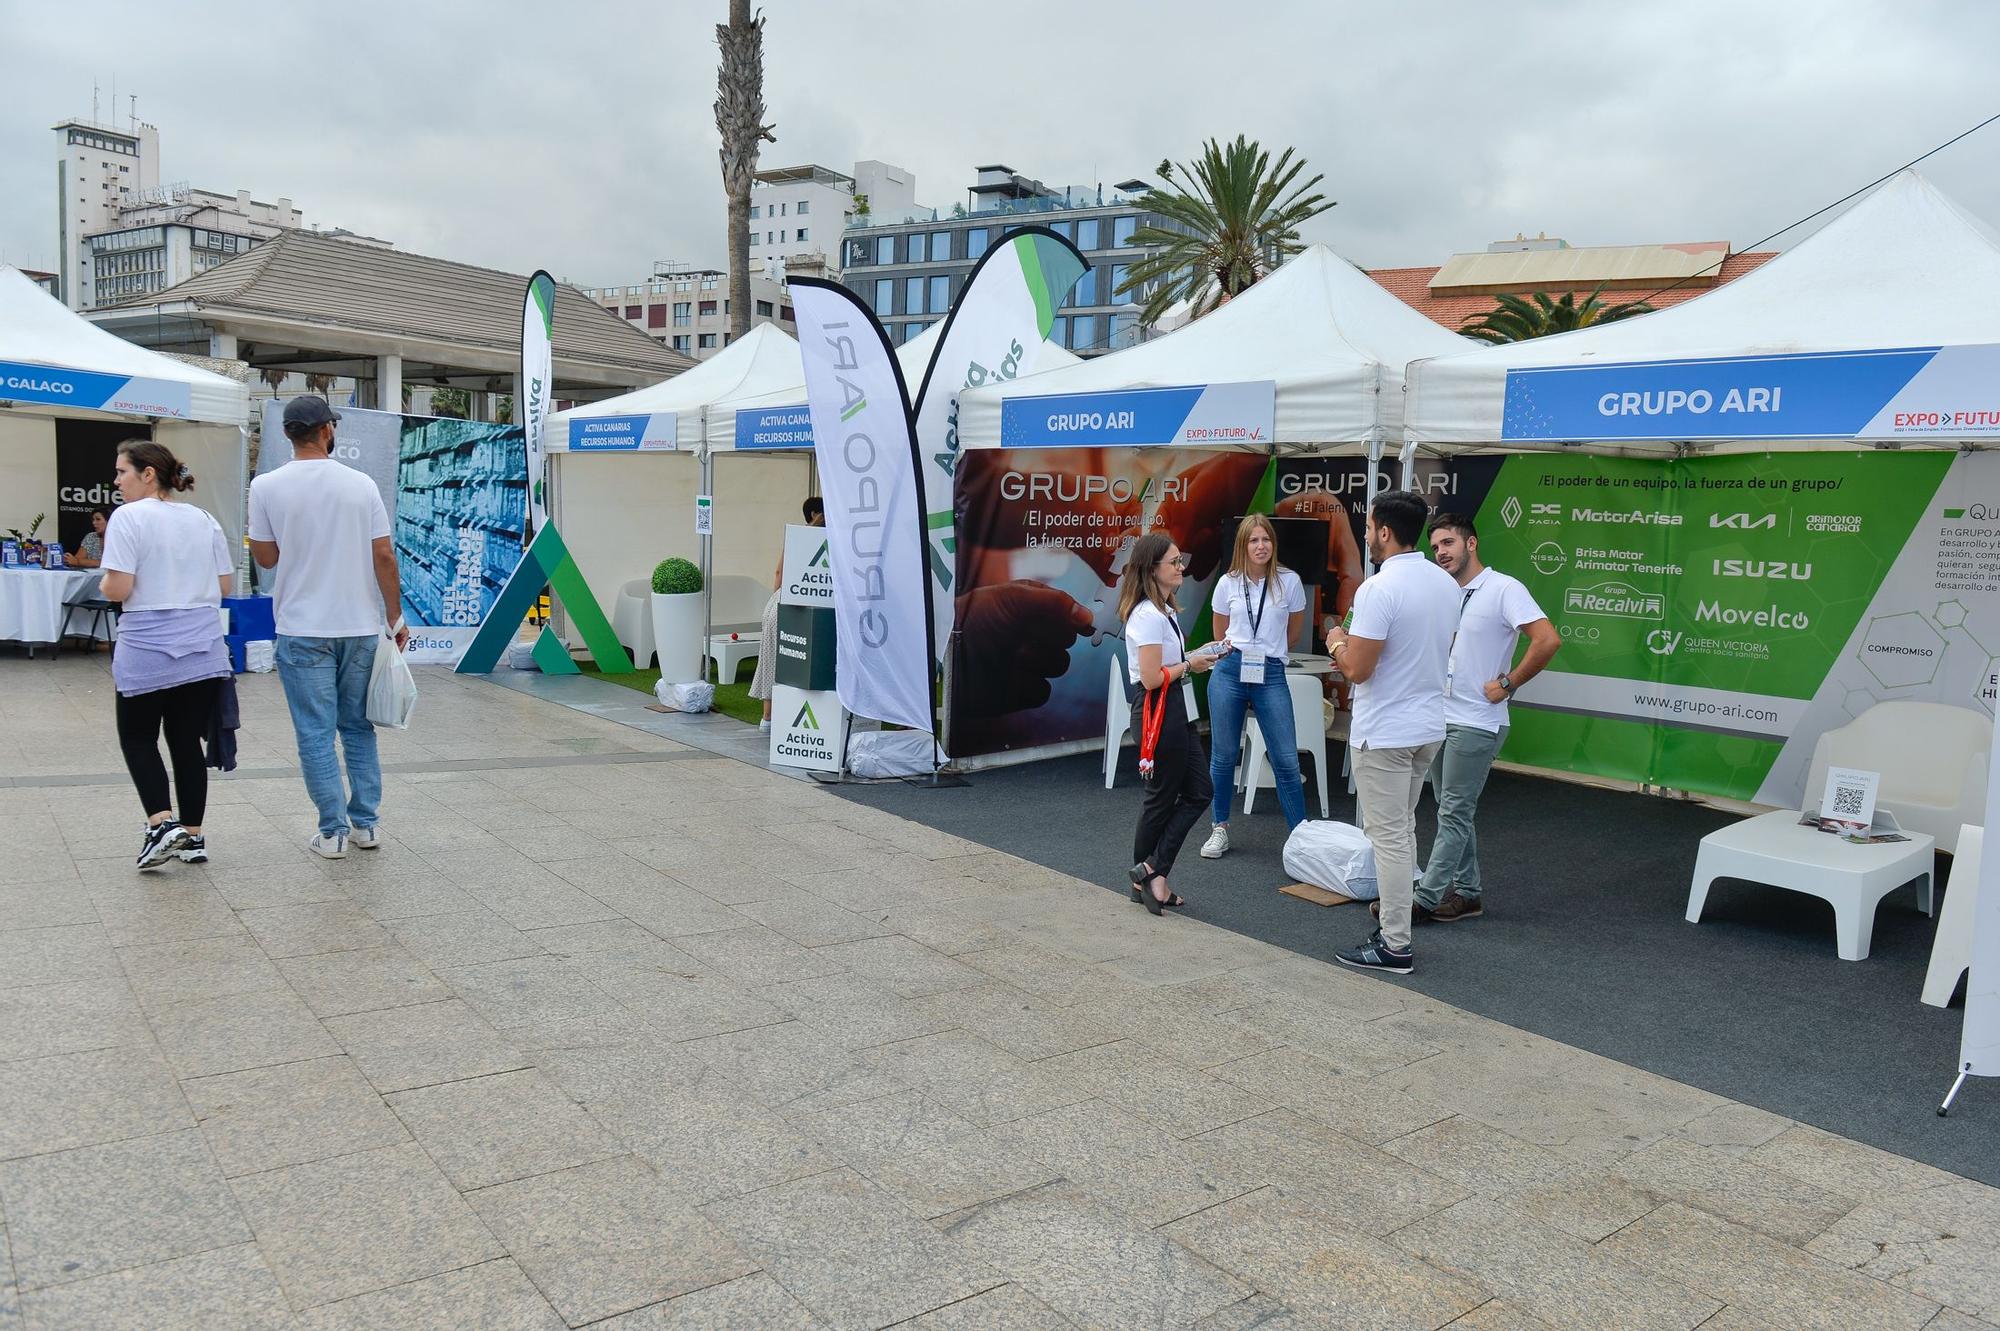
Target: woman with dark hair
(814, 513)
(169, 564)
(1171, 762)
(89, 552)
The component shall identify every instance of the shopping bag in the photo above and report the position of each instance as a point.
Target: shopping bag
(392, 689)
(1335, 856)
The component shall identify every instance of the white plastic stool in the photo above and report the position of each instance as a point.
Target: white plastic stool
(1118, 713)
(1951, 950)
(1309, 724)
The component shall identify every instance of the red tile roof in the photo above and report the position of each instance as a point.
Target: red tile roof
(1412, 287)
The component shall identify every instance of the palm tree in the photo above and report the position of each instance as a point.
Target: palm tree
(739, 115)
(1513, 319)
(1235, 217)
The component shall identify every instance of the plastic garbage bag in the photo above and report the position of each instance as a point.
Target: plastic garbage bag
(689, 697)
(392, 689)
(1335, 856)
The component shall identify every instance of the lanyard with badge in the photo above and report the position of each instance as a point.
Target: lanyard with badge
(1153, 712)
(1451, 657)
(1250, 665)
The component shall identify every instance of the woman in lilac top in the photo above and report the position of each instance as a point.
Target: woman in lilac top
(169, 565)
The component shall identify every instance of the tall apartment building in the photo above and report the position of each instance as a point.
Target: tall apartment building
(909, 270)
(799, 212)
(688, 308)
(99, 169)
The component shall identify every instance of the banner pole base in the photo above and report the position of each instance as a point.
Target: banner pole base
(1952, 1094)
(938, 779)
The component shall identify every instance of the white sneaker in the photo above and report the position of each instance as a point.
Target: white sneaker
(1217, 844)
(329, 847)
(365, 838)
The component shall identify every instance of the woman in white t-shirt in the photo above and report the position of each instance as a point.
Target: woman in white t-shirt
(1171, 763)
(168, 564)
(1259, 606)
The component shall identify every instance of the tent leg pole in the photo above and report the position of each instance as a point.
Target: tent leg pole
(707, 563)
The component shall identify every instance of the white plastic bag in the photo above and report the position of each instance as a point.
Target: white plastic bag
(392, 689)
(260, 656)
(1335, 856)
(874, 754)
(693, 696)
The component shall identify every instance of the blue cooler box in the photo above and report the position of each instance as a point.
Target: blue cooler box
(251, 619)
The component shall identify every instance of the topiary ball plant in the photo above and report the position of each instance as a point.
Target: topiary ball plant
(675, 577)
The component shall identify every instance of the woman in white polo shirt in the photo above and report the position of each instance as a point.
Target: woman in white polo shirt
(1259, 606)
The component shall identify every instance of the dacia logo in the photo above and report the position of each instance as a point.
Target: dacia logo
(1742, 521)
(805, 720)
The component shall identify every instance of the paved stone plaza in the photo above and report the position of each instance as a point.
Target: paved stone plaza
(616, 1032)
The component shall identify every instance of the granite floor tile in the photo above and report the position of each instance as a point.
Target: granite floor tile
(41, 906)
(661, 905)
(85, 1099)
(617, 941)
(1021, 1025)
(791, 1065)
(1358, 1106)
(1733, 1129)
(1789, 1209)
(162, 910)
(810, 920)
(97, 1209)
(68, 1018)
(225, 1289)
(399, 1049)
(1056, 979)
(267, 1118)
(902, 966)
(974, 1078)
(756, 956)
(1091, 1263)
(1763, 1277)
(850, 1251)
(1125, 1161)
(1958, 1268)
(1842, 1166)
(335, 984)
(1479, 1159)
(63, 954)
(1560, 1279)
(1007, 1308)
(682, 1006)
(711, 1140)
(1500, 1315)
(1349, 1180)
(163, 974)
(299, 883)
(463, 938)
(492, 1296)
(239, 1032)
(528, 990)
(1325, 1272)
(1139, 1081)
(359, 1223)
(301, 931)
(1353, 1046)
(510, 1125)
(870, 1133)
(1587, 1206)
(853, 1012)
(754, 1303)
(609, 1237)
(406, 896)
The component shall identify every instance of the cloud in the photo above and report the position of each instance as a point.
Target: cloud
(580, 137)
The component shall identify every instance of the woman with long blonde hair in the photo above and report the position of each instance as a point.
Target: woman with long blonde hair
(1171, 764)
(1259, 606)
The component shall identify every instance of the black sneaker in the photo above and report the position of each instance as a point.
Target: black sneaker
(194, 849)
(1376, 955)
(160, 844)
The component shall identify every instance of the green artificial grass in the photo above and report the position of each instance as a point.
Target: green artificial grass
(732, 699)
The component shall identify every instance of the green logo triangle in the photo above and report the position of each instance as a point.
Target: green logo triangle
(547, 563)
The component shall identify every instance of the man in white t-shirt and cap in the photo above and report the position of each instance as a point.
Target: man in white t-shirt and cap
(322, 525)
(1495, 611)
(1394, 651)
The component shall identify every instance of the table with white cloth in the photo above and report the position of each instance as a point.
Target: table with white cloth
(33, 603)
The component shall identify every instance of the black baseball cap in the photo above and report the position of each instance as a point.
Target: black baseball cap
(308, 412)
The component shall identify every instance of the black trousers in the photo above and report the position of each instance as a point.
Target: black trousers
(183, 711)
(1180, 790)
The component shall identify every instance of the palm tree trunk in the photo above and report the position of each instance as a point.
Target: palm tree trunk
(739, 116)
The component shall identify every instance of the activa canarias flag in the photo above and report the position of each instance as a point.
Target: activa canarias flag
(538, 316)
(1001, 316)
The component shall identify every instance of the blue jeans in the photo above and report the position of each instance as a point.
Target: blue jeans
(1457, 777)
(326, 687)
(1229, 698)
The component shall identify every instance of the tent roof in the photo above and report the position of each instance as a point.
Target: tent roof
(38, 329)
(762, 361)
(1904, 267)
(1326, 332)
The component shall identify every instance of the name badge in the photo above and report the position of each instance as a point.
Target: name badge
(1252, 667)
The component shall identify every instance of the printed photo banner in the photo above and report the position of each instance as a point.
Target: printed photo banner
(24, 382)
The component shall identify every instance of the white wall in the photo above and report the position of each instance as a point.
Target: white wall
(622, 513)
(27, 471)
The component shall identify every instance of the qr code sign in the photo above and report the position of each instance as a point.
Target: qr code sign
(1847, 801)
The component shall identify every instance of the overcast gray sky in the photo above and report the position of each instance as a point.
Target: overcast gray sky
(579, 137)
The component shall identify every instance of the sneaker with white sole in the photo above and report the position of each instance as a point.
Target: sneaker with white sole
(1217, 844)
(1376, 955)
(160, 842)
(194, 850)
(329, 845)
(365, 838)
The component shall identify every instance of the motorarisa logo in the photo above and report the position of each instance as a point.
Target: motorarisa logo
(1625, 517)
(1763, 568)
(1765, 617)
(1618, 599)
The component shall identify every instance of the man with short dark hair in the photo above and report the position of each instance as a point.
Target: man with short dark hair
(1394, 651)
(322, 525)
(1494, 611)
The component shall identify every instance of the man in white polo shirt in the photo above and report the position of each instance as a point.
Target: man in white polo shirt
(1394, 651)
(1495, 611)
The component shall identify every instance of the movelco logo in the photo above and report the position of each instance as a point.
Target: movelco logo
(1620, 600)
(1763, 617)
(1510, 512)
(1762, 568)
(1661, 642)
(1743, 521)
(1549, 558)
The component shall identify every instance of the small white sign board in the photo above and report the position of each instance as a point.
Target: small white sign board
(704, 515)
(1850, 796)
(808, 729)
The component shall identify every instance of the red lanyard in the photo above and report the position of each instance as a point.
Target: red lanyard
(1151, 719)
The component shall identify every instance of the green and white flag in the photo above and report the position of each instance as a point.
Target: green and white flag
(538, 317)
(1005, 310)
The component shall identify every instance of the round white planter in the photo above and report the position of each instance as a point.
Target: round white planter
(677, 636)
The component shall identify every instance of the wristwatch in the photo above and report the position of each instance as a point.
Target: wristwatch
(1506, 684)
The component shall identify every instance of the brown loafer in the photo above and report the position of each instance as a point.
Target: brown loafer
(1456, 907)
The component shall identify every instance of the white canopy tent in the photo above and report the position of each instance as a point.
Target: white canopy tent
(55, 365)
(1895, 304)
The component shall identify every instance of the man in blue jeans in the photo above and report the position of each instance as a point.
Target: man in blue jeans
(322, 526)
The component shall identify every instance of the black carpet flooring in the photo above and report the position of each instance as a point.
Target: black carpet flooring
(1582, 941)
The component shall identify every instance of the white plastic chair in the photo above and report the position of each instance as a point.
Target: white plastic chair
(632, 620)
(1932, 758)
(730, 650)
(1309, 722)
(1951, 949)
(1118, 713)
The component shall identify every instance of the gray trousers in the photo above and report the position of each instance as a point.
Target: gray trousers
(1457, 777)
(1388, 783)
